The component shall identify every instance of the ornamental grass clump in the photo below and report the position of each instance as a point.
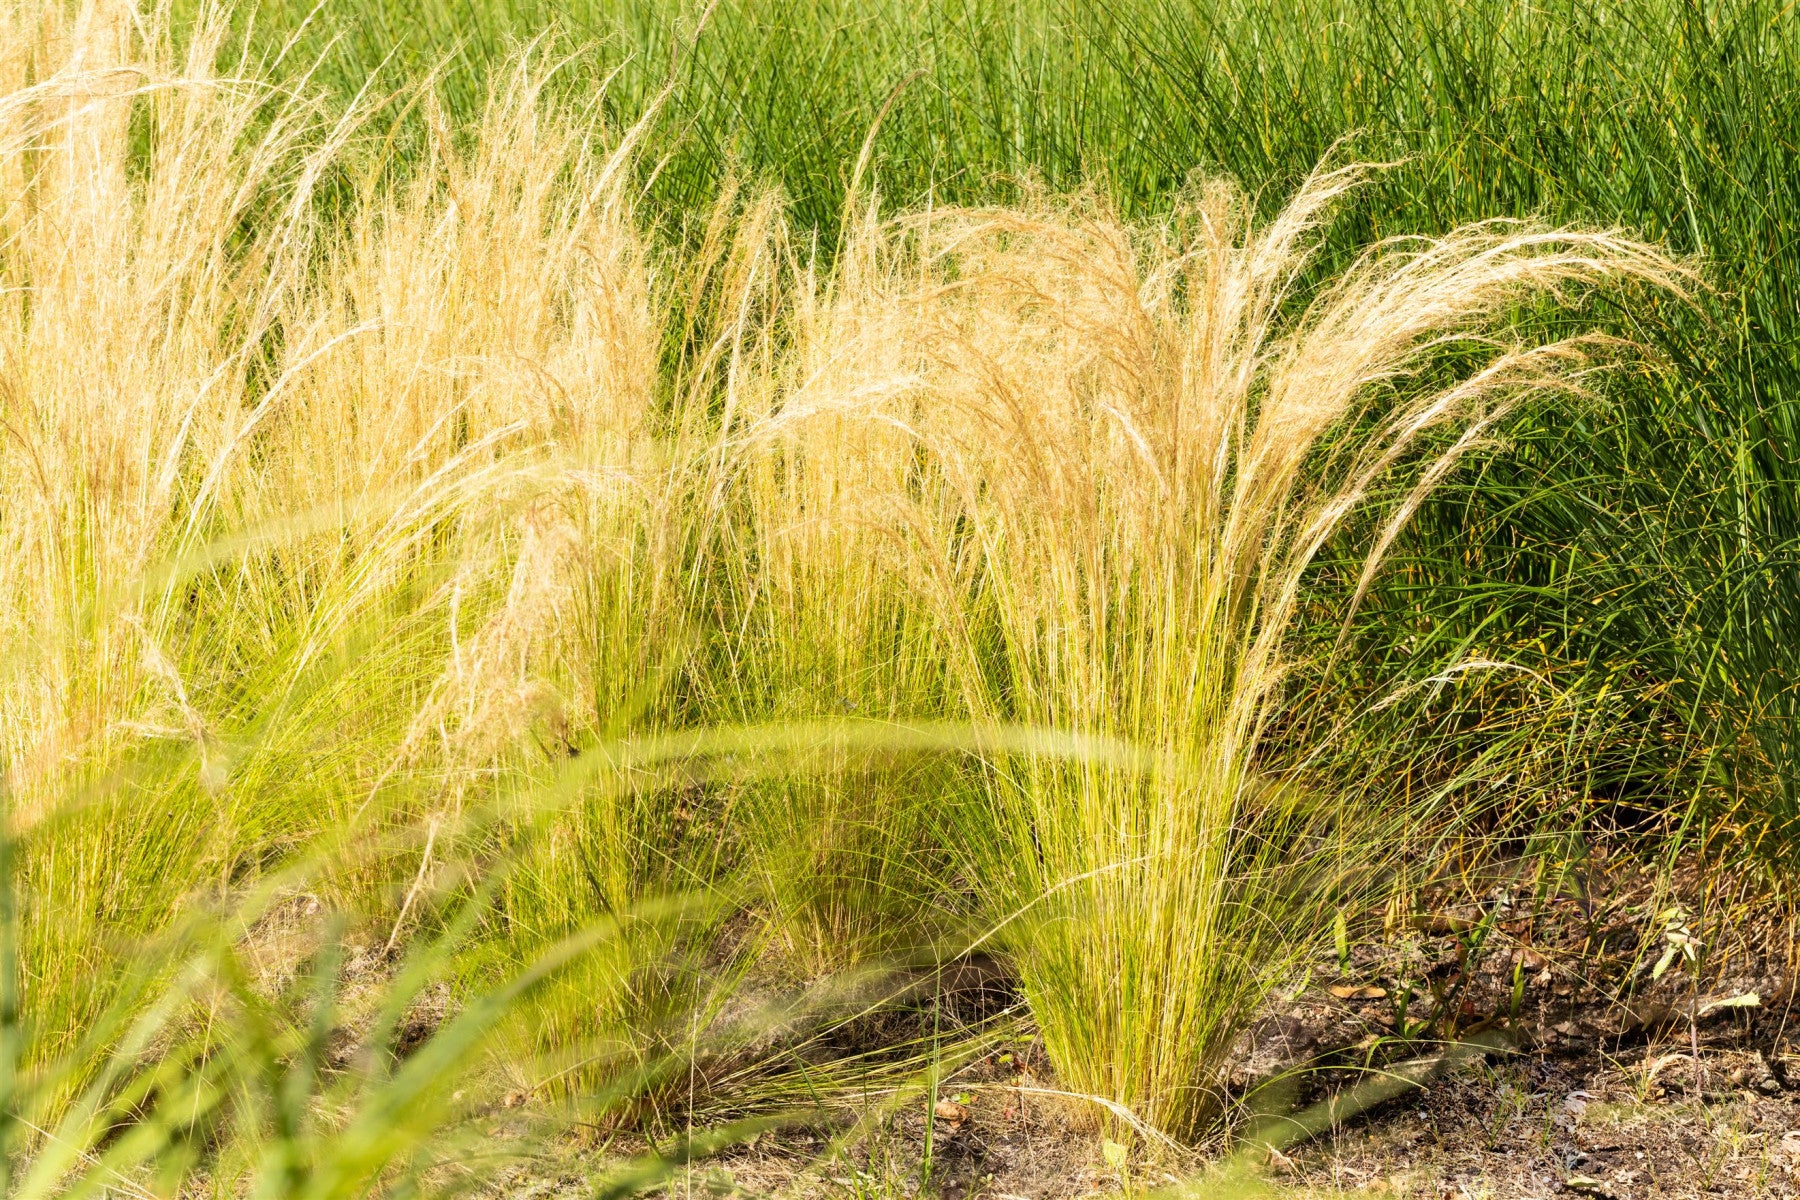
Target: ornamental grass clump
(1098, 458)
(305, 450)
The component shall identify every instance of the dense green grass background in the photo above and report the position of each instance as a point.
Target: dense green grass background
(1640, 550)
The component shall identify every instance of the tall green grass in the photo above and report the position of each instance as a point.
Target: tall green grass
(1638, 551)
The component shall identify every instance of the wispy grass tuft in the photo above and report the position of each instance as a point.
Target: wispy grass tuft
(1089, 454)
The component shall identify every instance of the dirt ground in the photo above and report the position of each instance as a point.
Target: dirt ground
(1503, 1126)
(1631, 1032)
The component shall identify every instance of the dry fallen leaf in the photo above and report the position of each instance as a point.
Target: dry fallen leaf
(1351, 991)
(1747, 1000)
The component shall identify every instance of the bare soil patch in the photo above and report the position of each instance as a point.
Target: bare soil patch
(1634, 1037)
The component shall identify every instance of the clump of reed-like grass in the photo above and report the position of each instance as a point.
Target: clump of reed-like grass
(348, 464)
(346, 506)
(1090, 452)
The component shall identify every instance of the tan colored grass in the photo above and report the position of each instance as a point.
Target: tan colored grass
(475, 345)
(1102, 456)
(333, 476)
